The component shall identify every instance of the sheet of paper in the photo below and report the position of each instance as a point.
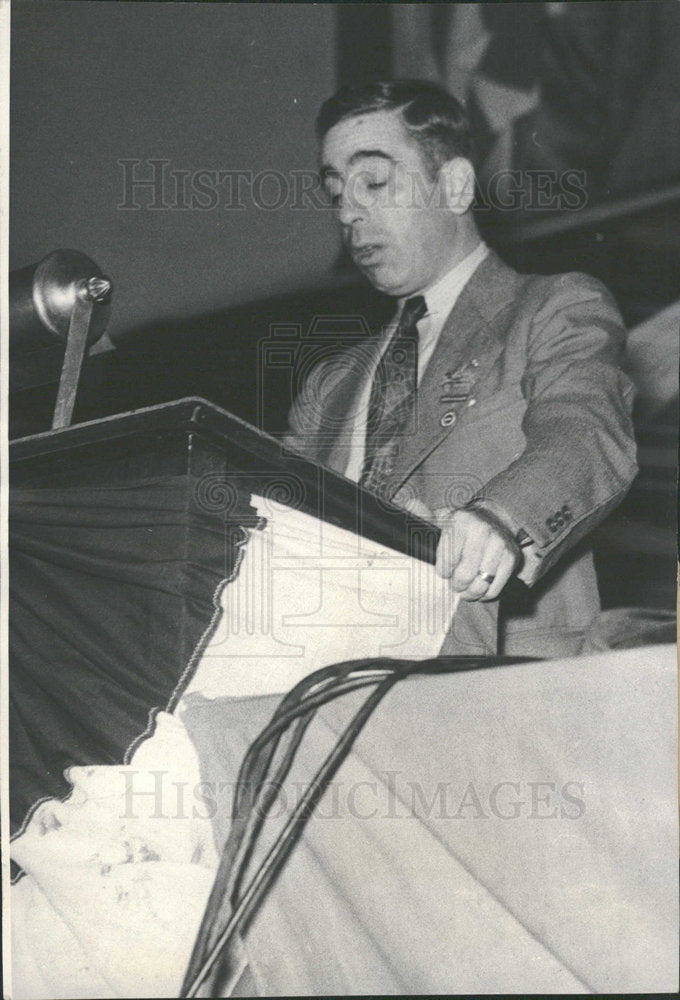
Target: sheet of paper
(309, 594)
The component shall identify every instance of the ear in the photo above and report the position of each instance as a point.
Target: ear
(457, 178)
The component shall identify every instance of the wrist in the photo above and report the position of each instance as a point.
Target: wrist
(488, 507)
(500, 526)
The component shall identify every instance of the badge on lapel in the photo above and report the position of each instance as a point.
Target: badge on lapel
(457, 388)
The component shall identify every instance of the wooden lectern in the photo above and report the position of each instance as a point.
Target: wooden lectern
(121, 531)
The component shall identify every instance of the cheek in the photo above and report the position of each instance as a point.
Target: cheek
(402, 256)
(406, 232)
(412, 250)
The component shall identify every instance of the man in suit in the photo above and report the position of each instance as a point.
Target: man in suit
(494, 404)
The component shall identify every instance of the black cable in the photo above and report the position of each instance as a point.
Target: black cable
(332, 687)
(258, 757)
(269, 788)
(251, 777)
(261, 803)
(336, 673)
(302, 689)
(334, 682)
(250, 815)
(284, 843)
(296, 708)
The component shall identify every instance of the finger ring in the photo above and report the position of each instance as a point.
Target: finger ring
(487, 577)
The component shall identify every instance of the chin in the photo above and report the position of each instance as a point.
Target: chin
(386, 284)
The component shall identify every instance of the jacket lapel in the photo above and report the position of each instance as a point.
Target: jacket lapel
(469, 344)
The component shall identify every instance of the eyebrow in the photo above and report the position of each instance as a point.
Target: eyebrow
(360, 154)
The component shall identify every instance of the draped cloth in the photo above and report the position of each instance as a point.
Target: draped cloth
(507, 830)
(116, 875)
(511, 829)
(112, 590)
(118, 593)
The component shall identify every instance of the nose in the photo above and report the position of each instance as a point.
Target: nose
(349, 210)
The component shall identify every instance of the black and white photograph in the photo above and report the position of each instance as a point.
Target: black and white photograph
(340, 348)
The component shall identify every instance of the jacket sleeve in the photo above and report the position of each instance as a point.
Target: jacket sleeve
(579, 459)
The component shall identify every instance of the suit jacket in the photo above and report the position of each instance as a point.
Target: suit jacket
(524, 409)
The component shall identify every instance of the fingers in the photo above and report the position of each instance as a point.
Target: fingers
(450, 548)
(482, 553)
(463, 539)
(415, 506)
(470, 546)
(504, 571)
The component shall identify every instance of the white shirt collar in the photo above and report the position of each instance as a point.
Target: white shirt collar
(440, 299)
(442, 296)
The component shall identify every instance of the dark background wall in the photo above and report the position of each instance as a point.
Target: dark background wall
(204, 86)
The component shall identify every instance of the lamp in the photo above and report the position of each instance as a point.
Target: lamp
(63, 298)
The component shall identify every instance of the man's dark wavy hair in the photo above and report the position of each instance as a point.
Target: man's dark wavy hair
(433, 117)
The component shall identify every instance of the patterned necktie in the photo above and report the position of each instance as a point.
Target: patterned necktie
(392, 399)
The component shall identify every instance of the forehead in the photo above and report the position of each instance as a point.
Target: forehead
(380, 133)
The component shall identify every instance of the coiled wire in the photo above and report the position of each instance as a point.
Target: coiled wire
(230, 907)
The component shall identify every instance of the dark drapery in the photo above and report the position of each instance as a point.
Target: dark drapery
(112, 589)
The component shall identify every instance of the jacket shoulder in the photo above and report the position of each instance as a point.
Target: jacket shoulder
(561, 306)
(498, 288)
(565, 288)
